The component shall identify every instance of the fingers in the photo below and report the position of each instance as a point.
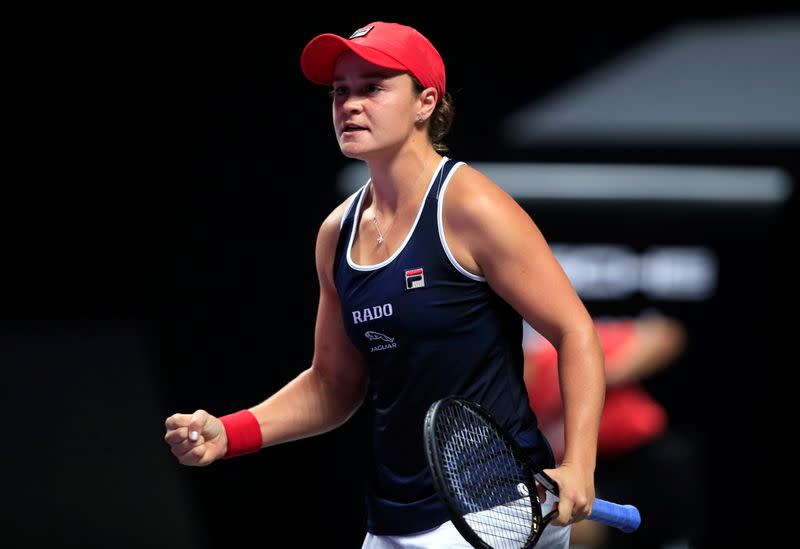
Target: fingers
(190, 453)
(177, 420)
(180, 437)
(565, 516)
(541, 493)
(197, 424)
(194, 422)
(562, 504)
(185, 437)
(570, 512)
(573, 503)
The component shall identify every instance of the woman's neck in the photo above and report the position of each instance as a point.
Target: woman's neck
(399, 181)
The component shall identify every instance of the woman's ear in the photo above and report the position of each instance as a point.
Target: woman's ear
(428, 100)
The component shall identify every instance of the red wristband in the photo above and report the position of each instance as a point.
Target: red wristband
(244, 433)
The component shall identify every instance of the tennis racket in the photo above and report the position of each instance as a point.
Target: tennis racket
(486, 481)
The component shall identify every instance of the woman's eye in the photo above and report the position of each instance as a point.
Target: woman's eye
(342, 91)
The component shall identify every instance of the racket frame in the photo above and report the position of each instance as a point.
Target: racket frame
(531, 472)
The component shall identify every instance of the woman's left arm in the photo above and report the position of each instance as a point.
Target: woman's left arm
(491, 235)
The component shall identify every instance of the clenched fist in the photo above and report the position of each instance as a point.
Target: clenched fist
(197, 439)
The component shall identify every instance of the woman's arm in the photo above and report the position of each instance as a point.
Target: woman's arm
(491, 235)
(322, 397)
(326, 394)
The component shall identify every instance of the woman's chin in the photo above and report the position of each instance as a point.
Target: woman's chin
(356, 153)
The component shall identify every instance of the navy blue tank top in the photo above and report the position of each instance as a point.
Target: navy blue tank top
(427, 329)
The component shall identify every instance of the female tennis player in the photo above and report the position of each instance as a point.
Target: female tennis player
(425, 273)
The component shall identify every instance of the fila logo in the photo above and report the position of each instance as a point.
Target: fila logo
(415, 278)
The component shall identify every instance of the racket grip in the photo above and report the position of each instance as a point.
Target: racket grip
(623, 517)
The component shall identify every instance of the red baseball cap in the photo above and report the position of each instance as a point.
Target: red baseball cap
(389, 45)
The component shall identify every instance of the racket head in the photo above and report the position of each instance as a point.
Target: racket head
(482, 476)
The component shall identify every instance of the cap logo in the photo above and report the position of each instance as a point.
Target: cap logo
(361, 32)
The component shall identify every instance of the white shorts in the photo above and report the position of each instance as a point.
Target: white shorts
(446, 536)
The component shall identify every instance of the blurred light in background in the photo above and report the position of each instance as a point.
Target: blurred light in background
(730, 82)
(591, 182)
(615, 271)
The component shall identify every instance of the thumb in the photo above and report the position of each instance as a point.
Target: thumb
(196, 424)
(541, 493)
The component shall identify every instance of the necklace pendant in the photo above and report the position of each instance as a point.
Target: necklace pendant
(380, 240)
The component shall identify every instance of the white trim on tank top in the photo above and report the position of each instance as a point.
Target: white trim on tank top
(357, 216)
(349, 207)
(440, 223)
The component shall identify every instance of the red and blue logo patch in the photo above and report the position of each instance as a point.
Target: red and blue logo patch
(415, 278)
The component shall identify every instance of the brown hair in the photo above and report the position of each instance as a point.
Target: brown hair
(441, 119)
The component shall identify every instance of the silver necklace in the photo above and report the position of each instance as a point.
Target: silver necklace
(380, 238)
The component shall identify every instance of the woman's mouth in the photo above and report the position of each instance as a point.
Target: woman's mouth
(352, 128)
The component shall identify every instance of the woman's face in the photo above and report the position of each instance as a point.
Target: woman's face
(373, 108)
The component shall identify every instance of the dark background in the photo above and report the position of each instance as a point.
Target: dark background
(167, 172)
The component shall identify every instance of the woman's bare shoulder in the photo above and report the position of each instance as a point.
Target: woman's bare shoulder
(473, 197)
(333, 222)
(328, 236)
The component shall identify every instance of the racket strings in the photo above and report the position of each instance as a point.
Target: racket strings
(496, 526)
(486, 479)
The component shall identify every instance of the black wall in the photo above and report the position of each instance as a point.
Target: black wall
(167, 173)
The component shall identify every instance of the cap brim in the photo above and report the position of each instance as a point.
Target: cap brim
(319, 57)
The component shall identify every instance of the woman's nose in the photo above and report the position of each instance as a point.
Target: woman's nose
(352, 103)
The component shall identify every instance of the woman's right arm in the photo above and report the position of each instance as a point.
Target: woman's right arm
(326, 394)
(319, 399)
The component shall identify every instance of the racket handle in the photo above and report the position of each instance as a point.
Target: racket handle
(623, 517)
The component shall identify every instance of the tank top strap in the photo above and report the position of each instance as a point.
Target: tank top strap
(441, 177)
(346, 225)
